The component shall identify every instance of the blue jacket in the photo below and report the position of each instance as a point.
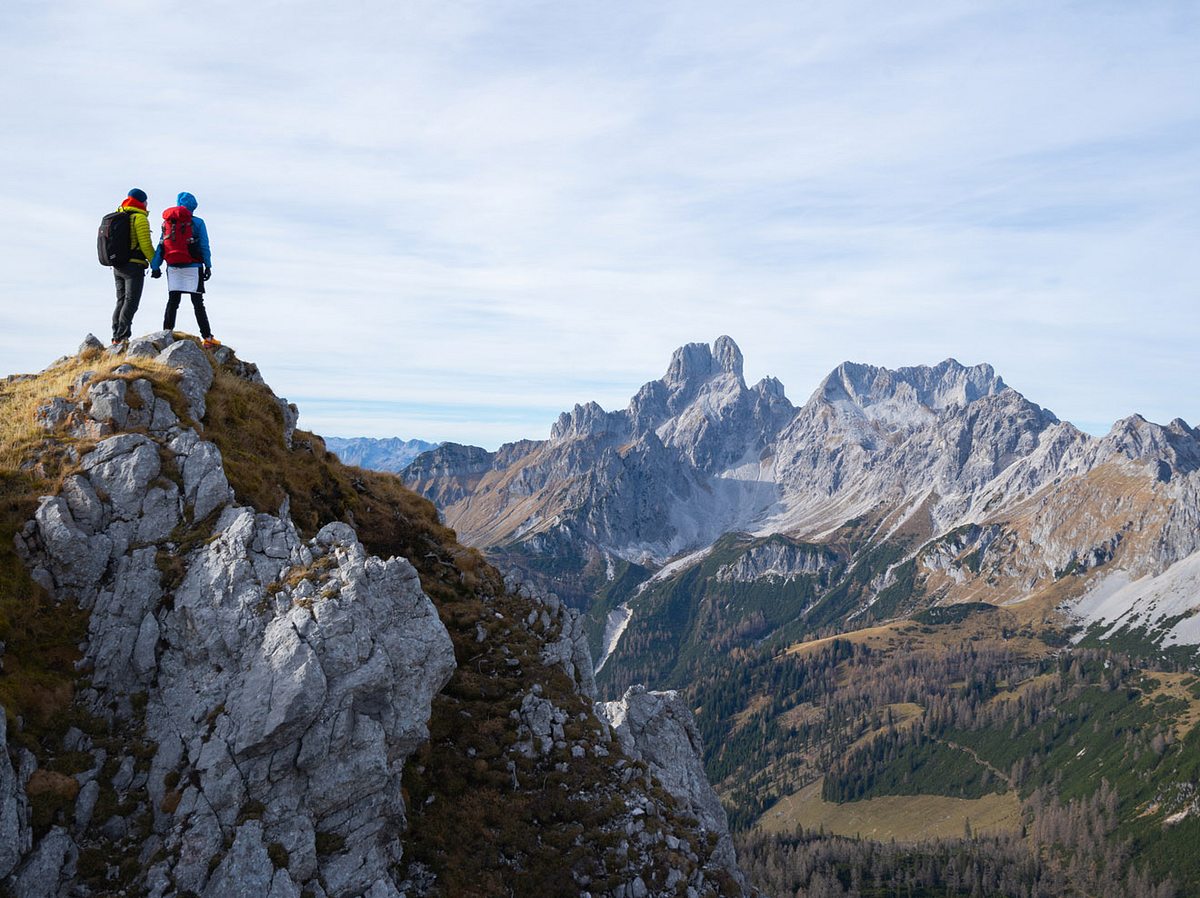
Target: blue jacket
(198, 228)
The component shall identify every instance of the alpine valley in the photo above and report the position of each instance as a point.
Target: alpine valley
(937, 641)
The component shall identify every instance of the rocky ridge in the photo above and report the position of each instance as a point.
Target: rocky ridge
(256, 710)
(902, 457)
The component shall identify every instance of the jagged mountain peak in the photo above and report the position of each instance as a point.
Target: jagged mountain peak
(1175, 447)
(770, 387)
(696, 370)
(586, 419)
(695, 363)
(940, 386)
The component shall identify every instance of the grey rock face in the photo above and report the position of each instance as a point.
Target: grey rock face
(566, 636)
(116, 404)
(204, 481)
(150, 345)
(291, 415)
(658, 728)
(197, 374)
(449, 473)
(54, 412)
(779, 558)
(78, 559)
(16, 838)
(246, 871)
(283, 682)
(314, 695)
(49, 868)
(121, 468)
(108, 403)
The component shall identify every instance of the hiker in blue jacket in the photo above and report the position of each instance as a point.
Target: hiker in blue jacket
(187, 277)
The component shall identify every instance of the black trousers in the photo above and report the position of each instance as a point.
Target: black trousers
(173, 299)
(130, 278)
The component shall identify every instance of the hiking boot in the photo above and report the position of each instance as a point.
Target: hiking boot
(210, 343)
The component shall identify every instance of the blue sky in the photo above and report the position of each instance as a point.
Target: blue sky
(454, 220)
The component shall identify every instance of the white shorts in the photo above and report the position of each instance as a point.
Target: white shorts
(185, 280)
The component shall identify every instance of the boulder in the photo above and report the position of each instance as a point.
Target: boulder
(196, 374)
(90, 344)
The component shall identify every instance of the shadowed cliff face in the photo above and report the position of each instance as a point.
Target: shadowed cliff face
(275, 652)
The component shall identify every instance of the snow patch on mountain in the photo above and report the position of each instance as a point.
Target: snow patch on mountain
(1170, 601)
(614, 628)
(671, 568)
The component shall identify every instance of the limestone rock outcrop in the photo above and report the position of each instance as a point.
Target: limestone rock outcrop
(15, 836)
(658, 728)
(277, 684)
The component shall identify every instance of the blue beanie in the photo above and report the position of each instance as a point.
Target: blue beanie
(138, 194)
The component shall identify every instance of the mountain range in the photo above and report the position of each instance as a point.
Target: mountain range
(925, 626)
(993, 497)
(390, 454)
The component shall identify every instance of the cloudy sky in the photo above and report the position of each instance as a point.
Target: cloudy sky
(453, 220)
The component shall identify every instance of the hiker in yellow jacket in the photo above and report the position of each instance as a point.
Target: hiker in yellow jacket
(131, 276)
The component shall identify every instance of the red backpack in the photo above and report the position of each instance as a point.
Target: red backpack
(179, 243)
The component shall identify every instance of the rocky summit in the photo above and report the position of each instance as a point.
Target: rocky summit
(234, 666)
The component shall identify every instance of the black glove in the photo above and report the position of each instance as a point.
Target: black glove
(156, 273)
(207, 273)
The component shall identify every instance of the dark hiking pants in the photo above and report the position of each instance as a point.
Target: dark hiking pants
(173, 298)
(130, 279)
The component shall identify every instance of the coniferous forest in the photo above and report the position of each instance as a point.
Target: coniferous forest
(1096, 752)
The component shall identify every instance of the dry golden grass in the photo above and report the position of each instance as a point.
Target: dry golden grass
(743, 717)
(913, 637)
(800, 715)
(905, 818)
(1172, 686)
(905, 715)
(20, 434)
(42, 636)
(875, 637)
(48, 782)
(1040, 609)
(1014, 692)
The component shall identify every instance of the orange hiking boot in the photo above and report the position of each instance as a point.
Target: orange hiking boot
(210, 343)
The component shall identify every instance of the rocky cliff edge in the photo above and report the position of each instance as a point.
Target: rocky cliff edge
(214, 688)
